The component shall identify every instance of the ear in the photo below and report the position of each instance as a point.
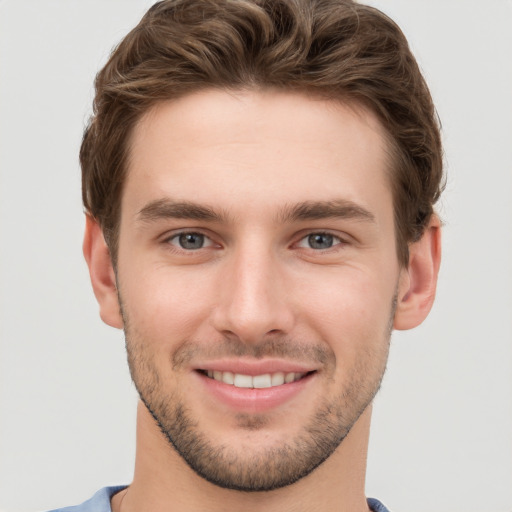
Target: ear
(417, 287)
(102, 274)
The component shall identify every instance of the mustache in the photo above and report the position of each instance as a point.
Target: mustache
(282, 347)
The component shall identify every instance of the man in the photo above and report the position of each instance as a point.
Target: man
(259, 180)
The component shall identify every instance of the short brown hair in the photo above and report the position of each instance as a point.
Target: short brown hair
(336, 49)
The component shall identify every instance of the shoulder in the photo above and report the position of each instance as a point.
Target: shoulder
(100, 502)
(376, 505)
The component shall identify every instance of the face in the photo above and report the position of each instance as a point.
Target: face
(257, 276)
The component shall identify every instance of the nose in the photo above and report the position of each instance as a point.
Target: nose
(254, 299)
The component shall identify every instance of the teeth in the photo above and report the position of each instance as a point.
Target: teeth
(262, 381)
(289, 377)
(242, 381)
(228, 378)
(277, 379)
(266, 380)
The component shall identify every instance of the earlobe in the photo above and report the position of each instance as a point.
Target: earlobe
(417, 287)
(97, 256)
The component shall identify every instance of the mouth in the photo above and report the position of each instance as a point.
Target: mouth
(262, 381)
(255, 386)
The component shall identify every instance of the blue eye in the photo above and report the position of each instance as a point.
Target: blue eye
(319, 241)
(190, 241)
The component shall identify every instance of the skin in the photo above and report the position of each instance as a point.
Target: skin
(258, 290)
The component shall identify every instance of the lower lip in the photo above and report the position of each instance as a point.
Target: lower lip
(254, 399)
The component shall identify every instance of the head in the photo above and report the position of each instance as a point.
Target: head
(264, 175)
(333, 49)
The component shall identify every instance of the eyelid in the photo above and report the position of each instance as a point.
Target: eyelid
(339, 239)
(175, 234)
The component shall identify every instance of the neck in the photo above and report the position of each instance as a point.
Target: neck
(164, 482)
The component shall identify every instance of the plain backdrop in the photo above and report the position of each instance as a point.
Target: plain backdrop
(442, 430)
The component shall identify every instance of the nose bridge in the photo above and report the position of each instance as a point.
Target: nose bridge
(253, 303)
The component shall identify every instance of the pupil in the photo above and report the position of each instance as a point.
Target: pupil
(320, 241)
(191, 240)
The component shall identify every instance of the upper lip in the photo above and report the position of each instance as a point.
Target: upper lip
(255, 366)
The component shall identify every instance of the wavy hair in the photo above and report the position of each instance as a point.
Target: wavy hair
(336, 49)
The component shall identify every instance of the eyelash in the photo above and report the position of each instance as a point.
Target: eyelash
(176, 236)
(307, 238)
(336, 240)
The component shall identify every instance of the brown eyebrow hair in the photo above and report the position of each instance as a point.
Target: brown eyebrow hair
(306, 210)
(167, 208)
(313, 210)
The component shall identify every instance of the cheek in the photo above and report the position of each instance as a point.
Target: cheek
(350, 310)
(353, 317)
(164, 305)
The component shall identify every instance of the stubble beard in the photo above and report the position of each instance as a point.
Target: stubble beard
(262, 468)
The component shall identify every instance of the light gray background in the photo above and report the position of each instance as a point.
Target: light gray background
(442, 430)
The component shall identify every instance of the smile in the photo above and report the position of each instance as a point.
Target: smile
(266, 380)
(254, 386)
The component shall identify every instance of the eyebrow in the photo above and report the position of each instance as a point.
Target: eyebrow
(169, 209)
(317, 210)
(307, 210)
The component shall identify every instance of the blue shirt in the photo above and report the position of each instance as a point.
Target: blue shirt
(100, 502)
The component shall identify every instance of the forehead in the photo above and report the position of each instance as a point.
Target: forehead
(257, 151)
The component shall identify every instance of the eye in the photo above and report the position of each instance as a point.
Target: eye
(319, 241)
(190, 241)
